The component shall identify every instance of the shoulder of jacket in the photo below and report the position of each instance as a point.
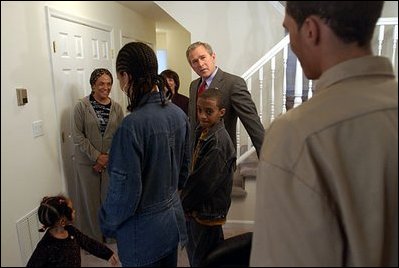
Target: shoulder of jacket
(85, 100)
(195, 81)
(80, 103)
(233, 76)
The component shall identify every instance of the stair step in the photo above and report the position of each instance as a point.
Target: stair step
(248, 171)
(238, 192)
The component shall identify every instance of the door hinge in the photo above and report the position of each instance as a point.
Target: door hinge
(54, 47)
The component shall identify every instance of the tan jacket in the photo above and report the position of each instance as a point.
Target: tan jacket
(87, 135)
(327, 182)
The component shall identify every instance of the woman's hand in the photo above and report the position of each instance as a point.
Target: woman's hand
(103, 159)
(98, 168)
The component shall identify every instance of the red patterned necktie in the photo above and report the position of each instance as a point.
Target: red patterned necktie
(201, 88)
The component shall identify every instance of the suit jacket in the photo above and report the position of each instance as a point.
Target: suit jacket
(237, 101)
(181, 101)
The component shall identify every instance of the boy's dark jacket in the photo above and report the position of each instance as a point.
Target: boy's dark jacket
(208, 188)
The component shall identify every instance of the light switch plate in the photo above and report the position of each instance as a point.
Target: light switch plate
(37, 128)
(22, 96)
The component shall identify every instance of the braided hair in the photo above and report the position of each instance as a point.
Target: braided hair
(52, 209)
(139, 61)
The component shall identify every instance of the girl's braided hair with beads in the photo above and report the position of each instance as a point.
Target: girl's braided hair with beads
(52, 209)
(139, 61)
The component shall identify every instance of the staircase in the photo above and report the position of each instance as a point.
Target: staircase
(268, 80)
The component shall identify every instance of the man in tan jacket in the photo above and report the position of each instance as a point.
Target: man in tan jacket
(327, 184)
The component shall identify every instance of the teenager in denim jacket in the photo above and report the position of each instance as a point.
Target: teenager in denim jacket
(148, 157)
(206, 194)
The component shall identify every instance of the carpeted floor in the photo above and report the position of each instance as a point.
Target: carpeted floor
(229, 231)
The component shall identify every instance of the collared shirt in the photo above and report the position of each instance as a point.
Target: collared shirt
(209, 80)
(198, 146)
(327, 180)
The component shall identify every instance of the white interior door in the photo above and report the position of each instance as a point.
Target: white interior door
(77, 49)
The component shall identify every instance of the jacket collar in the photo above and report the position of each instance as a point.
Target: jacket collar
(218, 126)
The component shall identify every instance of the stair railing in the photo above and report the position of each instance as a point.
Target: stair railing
(267, 80)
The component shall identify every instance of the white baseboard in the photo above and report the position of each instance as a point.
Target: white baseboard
(239, 223)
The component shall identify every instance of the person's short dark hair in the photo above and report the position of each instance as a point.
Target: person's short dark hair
(351, 21)
(213, 93)
(52, 209)
(99, 72)
(173, 75)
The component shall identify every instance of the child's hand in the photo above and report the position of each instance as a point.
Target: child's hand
(114, 260)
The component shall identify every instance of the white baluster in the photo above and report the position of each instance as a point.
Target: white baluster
(310, 92)
(395, 41)
(238, 138)
(249, 142)
(285, 57)
(380, 39)
(261, 94)
(273, 69)
(298, 84)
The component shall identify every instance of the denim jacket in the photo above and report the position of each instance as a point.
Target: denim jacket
(148, 157)
(209, 185)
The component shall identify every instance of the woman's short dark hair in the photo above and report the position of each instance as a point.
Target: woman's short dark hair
(173, 75)
(352, 21)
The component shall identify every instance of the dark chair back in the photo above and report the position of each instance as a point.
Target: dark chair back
(232, 252)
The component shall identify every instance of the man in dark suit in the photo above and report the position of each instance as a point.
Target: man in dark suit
(235, 95)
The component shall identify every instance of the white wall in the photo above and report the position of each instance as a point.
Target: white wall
(239, 32)
(390, 9)
(30, 167)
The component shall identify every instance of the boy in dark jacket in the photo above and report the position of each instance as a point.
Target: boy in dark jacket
(206, 194)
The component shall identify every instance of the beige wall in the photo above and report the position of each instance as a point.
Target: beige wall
(30, 167)
(177, 42)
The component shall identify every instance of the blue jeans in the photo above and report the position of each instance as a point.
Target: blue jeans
(168, 261)
(202, 239)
